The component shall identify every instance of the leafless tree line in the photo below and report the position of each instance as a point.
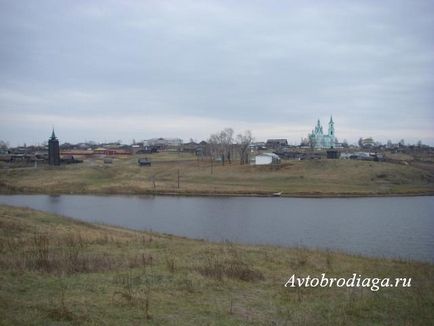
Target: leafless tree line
(223, 144)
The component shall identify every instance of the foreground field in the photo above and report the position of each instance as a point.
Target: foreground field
(59, 271)
(173, 173)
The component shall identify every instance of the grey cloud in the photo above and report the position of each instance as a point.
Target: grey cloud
(369, 62)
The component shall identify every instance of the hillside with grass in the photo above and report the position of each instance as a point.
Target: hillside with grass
(173, 173)
(54, 270)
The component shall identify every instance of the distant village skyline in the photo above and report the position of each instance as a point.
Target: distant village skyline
(314, 131)
(124, 70)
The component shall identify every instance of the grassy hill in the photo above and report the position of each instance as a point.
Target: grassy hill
(55, 270)
(292, 178)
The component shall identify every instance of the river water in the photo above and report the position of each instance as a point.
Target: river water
(397, 227)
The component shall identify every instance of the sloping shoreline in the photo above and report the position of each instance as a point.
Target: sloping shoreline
(55, 269)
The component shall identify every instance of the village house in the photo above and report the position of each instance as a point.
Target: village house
(111, 151)
(163, 143)
(267, 159)
(276, 143)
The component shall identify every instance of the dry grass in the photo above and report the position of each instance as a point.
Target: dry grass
(55, 270)
(292, 178)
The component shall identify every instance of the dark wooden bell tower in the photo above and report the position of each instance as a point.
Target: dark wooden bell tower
(53, 150)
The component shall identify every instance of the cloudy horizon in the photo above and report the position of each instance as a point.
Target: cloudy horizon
(124, 70)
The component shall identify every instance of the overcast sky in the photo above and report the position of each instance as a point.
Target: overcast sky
(109, 70)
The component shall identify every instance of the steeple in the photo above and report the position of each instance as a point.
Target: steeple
(53, 135)
(331, 127)
(318, 128)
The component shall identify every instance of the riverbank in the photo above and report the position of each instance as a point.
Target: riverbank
(183, 176)
(57, 270)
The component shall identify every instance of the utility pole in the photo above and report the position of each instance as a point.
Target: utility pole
(153, 182)
(178, 178)
(211, 165)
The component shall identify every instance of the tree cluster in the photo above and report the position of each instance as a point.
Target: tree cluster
(223, 144)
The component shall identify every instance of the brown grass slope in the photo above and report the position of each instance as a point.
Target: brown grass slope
(292, 178)
(56, 271)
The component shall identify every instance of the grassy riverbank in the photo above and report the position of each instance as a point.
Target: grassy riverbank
(59, 271)
(196, 177)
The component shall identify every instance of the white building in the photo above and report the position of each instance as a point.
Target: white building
(267, 159)
(163, 142)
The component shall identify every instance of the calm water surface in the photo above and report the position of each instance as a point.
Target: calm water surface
(400, 227)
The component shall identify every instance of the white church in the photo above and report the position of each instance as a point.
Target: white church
(320, 140)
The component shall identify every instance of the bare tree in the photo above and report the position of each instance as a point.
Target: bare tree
(345, 144)
(401, 143)
(221, 144)
(4, 144)
(214, 145)
(312, 141)
(389, 144)
(227, 137)
(243, 142)
(304, 142)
